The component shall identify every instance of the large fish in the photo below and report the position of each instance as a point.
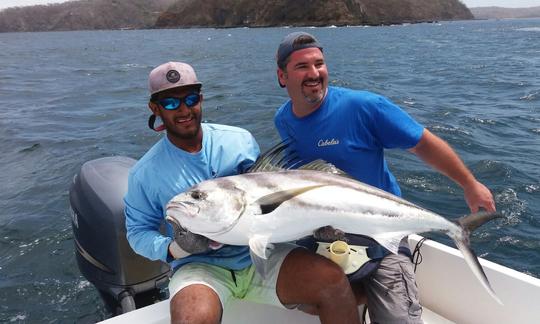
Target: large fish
(277, 205)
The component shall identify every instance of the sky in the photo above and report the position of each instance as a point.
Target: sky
(469, 3)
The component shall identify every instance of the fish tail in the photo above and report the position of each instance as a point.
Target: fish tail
(473, 221)
(468, 224)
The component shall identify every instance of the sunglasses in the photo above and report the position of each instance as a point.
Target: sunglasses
(173, 103)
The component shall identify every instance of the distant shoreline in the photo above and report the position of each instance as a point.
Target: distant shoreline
(505, 13)
(157, 14)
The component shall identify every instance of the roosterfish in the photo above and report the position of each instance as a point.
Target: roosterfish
(272, 203)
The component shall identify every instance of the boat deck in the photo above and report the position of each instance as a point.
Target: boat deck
(449, 293)
(243, 312)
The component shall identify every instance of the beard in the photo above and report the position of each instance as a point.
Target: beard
(314, 96)
(182, 133)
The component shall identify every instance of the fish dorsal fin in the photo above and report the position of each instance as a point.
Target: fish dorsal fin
(282, 157)
(272, 201)
(322, 165)
(278, 158)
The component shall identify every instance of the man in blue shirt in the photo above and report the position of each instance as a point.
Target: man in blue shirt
(351, 129)
(206, 273)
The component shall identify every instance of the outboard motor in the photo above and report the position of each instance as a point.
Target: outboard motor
(124, 279)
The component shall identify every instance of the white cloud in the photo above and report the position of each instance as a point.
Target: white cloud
(501, 3)
(22, 3)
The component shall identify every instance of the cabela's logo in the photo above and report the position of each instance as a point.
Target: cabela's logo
(173, 76)
(327, 142)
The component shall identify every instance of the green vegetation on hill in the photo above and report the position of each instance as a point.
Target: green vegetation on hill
(138, 14)
(84, 15)
(263, 13)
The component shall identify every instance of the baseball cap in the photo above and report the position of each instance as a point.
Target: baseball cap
(294, 42)
(172, 75)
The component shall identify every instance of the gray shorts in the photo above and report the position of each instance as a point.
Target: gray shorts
(392, 293)
(247, 283)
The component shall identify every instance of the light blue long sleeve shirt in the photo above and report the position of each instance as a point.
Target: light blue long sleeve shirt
(165, 171)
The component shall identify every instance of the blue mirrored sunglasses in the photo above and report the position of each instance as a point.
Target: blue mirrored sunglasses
(173, 103)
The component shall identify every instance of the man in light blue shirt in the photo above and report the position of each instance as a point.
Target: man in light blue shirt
(206, 273)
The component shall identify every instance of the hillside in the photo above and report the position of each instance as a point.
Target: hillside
(138, 14)
(501, 13)
(262, 13)
(84, 15)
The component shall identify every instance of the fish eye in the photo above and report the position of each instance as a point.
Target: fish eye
(198, 195)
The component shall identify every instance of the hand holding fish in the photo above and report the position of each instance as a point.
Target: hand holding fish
(329, 234)
(186, 243)
(478, 196)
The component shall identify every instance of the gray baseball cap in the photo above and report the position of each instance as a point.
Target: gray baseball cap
(172, 75)
(294, 42)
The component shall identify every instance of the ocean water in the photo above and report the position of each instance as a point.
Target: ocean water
(70, 97)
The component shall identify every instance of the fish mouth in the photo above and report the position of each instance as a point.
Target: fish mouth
(188, 210)
(183, 207)
(176, 226)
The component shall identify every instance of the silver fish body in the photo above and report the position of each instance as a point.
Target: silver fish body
(257, 209)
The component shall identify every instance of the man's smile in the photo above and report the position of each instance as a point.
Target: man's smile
(312, 83)
(184, 120)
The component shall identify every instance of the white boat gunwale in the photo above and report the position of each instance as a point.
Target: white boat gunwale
(449, 293)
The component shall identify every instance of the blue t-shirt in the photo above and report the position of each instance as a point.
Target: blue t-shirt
(351, 129)
(165, 171)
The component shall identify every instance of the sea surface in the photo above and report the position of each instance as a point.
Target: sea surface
(70, 97)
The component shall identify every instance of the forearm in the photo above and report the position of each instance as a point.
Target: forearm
(154, 246)
(144, 237)
(148, 243)
(439, 155)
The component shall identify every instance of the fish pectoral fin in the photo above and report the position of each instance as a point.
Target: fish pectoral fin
(258, 245)
(258, 249)
(272, 201)
(391, 243)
